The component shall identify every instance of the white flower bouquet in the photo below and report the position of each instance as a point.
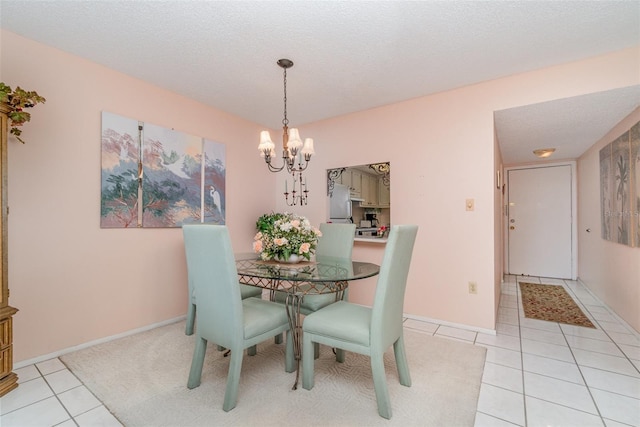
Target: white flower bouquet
(283, 235)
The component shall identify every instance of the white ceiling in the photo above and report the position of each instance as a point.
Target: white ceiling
(569, 125)
(349, 55)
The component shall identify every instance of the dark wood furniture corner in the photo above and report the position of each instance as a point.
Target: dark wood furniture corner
(8, 378)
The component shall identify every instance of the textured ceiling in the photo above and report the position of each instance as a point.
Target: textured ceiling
(349, 56)
(569, 125)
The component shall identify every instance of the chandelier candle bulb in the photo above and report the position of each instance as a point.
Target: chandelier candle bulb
(308, 147)
(294, 141)
(266, 146)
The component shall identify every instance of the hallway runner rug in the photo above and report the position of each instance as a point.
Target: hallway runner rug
(551, 303)
(142, 380)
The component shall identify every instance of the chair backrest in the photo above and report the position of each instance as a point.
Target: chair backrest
(212, 272)
(388, 303)
(336, 240)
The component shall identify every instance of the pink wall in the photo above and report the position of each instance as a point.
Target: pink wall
(442, 151)
(74, 282)
(610, 270)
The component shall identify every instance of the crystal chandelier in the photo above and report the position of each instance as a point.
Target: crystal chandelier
(293, 151)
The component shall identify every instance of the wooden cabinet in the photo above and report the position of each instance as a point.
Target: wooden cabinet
(352, 179)
(356, 183)
(384, 196)
(365, 187)
(369, 190)
(8, 379)
(344, 178)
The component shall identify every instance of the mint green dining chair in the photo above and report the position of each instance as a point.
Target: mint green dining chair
(365, 330)
(224, 318)
(245, 290)
(336, 241)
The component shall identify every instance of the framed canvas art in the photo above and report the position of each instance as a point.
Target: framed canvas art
(172, 179)
(620, 188)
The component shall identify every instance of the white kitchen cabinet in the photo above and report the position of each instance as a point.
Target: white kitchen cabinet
(356, 183)
(366, 190)
(345, 178)
(369, 190)
(384, 196)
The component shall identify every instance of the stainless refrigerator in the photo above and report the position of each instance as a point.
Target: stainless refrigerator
(340, 204)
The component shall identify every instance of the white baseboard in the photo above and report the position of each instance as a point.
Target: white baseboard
(58, 353)
(452, 324)
(611, 310)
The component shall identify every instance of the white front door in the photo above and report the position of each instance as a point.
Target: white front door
(540, 221)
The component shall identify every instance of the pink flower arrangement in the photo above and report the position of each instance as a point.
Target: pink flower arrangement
(281, 235)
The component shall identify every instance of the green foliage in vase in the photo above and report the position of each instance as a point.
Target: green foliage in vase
(266, 221)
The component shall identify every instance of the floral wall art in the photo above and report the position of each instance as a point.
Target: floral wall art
(620, 188)
(158, 177)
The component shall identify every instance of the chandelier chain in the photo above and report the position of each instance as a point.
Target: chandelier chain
(285, 121)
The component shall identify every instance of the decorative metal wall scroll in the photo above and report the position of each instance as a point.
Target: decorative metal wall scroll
(332, 176)
(383, 169)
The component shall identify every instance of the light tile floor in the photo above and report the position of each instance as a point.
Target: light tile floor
(536, 373)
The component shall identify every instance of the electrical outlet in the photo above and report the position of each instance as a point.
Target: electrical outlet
(473, 288)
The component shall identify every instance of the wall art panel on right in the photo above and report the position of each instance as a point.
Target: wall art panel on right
(620, 188)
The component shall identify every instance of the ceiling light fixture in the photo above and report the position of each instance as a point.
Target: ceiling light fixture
(293, 151)
(544, 152)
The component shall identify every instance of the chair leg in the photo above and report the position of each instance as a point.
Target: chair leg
(380, 385)
(340, 353)
(289, 358)
(252, 351)
(401, 362)
(278, 339)
(307, 362)
(195, 374)
(191, 319)
(233, 380)
(316, 350)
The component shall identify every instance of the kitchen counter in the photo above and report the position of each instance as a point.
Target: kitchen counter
(370, 239)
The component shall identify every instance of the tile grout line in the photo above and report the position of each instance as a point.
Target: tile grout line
(586, 384)
(2, 414)
(92, 393)
(54, 392)
(603, 330)
(524, 387)
(630, 330)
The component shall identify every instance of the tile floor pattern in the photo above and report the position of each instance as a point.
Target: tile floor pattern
(537, 373)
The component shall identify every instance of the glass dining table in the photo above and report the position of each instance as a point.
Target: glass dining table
(323, 275)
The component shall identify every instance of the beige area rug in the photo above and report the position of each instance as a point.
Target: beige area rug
(142, 379)
(552, 303)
